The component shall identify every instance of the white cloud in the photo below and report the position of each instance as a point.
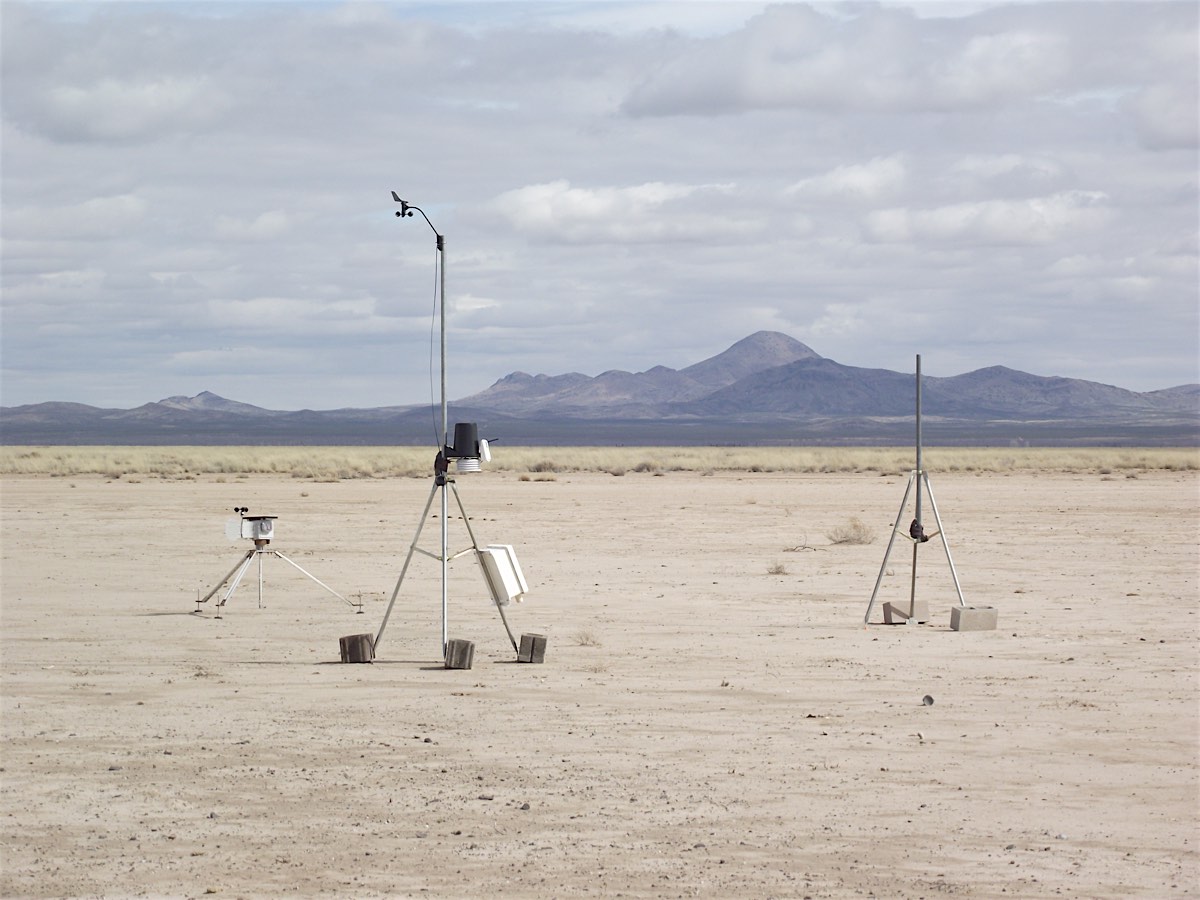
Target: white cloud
(874, 180)
(97, 218)
(620, 185)
(874, 58)
(1168, 115)
(266, 226)
(1038, 220)
(117, 110)
(654, 211)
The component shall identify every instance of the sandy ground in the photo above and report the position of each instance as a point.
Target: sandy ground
(712, 719)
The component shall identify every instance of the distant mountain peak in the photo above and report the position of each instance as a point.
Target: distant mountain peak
(207, 401)
(767, 388)
(759, 352)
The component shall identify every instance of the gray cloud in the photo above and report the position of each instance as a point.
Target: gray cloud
(196, 196)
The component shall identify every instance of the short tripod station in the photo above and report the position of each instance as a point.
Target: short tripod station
(260, 530)
(915, 612)
(498, 562)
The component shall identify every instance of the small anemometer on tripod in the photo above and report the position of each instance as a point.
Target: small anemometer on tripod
(260, 530)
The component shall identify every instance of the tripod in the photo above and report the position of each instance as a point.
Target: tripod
(258, 551)
(443, 480)
(916, 531)
(916, 534)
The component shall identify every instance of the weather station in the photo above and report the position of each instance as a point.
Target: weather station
(498, 564)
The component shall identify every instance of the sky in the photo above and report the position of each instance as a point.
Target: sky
(197, 196)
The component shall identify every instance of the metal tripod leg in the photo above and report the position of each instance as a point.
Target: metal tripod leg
(945, 546)
(491, 587)
(891, 541)
(315, 578)
(239, 571)
(443, 558)
(220, 584)
(412, 548)
(238, 580)
(920, 479)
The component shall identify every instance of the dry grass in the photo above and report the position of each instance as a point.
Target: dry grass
(853, 532)
(343, 463)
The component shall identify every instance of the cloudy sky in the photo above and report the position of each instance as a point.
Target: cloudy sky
(196, 196)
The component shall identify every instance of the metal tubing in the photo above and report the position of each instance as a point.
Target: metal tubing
(486, 577)
(441, 245)
(912, 591)
(238, 580)
(945, 546)
(920, 469)
(220, 584)
(316, 579)
(445, 562)
(412, 548)
(888, 552)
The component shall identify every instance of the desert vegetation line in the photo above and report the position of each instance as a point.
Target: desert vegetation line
(544, 463)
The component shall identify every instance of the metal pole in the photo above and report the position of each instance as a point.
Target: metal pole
(945, 545)
(486, 577)
(920, 470)
(445, 557)
(887, 553)
(406, 209)
(920, 473)
(313, 577)
(412, 548)
(220, 584)
(441, 243)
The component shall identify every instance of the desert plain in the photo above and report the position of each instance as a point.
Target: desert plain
(712, 718)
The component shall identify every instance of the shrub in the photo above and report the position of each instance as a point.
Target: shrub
(853, 532)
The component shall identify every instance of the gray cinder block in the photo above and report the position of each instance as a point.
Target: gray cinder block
(460, 654)
(973, 618)
(357, 648)
(533, 648)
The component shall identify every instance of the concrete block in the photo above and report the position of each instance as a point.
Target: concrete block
(533, 648)
(973, 618)
(460, 654)
(357, 648)
(900, 613)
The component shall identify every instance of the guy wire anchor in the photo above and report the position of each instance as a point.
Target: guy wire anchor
(259, 529)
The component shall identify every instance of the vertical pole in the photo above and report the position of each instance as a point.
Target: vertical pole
(258, 553)
(445, 559)
(441, 245)
(920, 470)
(920, 476)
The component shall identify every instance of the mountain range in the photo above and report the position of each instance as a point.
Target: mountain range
(766, 389)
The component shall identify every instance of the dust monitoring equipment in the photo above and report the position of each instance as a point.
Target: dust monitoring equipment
(260, 530)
